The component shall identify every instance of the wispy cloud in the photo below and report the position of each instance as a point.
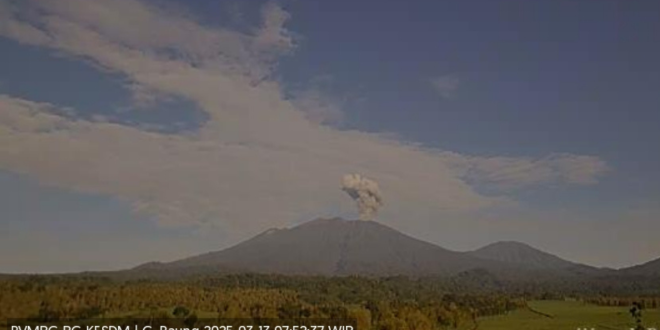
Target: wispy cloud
(319, 108)
(259, 160)
(516, 172)
(446, 86)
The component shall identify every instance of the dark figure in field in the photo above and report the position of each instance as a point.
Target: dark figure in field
(636, 313)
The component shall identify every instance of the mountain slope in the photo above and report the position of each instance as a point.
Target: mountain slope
(334, 247)
(647, 269)
(522, 254)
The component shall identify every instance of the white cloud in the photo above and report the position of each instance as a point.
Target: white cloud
(259, 160)
(272, 36)
(446, 85)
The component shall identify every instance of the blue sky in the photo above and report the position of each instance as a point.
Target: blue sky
(534, 78)
(183, 127)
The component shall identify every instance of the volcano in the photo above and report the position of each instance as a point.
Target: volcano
(337, 247)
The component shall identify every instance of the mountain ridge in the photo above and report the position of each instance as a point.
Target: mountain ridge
(523, 254)
(338, 247)
(346, 247)
(648, 268)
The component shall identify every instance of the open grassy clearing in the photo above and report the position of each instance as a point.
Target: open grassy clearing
(568, 315)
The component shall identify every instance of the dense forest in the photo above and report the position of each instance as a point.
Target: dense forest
(392, 303)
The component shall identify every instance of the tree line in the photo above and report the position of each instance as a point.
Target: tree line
(382, 304)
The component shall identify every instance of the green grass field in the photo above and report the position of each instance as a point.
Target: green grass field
(569, 315)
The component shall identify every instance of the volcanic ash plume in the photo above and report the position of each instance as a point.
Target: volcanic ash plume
(365, 192)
